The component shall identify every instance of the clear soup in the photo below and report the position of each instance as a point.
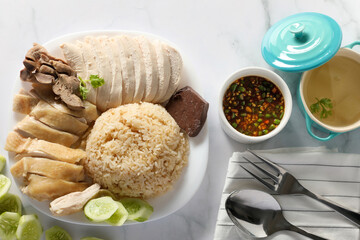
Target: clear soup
(338, 80)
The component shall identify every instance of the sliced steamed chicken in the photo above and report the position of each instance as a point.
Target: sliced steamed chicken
(44, 188)
(52, 117)
(48, 168)
(40, 148)
(29, 126)
(151, 68)
(103, 61)
(175, 67)
(139, 68)
(163, 62)
(73, 54)
(115, 99)
(128, 69)
(89, 113)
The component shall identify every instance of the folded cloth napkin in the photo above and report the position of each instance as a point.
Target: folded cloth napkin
(333, 175)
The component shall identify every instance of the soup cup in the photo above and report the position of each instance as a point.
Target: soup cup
(312, 121)
(268, 75)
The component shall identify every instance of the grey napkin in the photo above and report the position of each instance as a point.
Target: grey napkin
(333, 175)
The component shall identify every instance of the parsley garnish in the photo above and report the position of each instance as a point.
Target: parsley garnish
(322, 106)
(95, 82)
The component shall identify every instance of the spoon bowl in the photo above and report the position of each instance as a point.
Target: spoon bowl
(258, 214)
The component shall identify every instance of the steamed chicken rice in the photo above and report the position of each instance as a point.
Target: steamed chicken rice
(136, 150)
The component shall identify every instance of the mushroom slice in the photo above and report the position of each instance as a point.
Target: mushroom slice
(73, 202)
(57, 119)
(40, 148)
(48, 168)
(67, 88)
(44, 188)
(30, 126)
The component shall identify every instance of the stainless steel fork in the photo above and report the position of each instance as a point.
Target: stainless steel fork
(286, 183)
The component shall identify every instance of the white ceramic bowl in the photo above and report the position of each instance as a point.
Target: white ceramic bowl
(275, 79)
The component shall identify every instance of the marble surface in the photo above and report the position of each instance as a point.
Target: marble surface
(219, 36)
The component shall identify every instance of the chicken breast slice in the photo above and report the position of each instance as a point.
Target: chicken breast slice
(175, 74)
(52, 117)
(117, 82)
(139, 68)
(24, 103)
(90, 47)
(33, 128)
(104, 63)
(151, 68)
(40, 148)
(73, 202)
(89, 112)
(73, 56)
(128, 71)
(44, 188)
(48, 168)
(163, 63)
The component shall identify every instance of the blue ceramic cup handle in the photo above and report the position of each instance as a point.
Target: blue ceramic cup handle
(309, 123)
(351, 45)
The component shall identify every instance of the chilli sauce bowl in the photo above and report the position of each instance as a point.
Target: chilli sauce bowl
(277, 82)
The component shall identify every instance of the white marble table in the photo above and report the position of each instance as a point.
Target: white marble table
(219, 36)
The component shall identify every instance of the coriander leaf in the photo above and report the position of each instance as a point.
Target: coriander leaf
(322, 106)
(96, 81)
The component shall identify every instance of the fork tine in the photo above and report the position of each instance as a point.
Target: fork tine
(268, 162)
(275, 178)
(270, 186)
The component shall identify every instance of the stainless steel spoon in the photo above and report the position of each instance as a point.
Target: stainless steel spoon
(259, 214)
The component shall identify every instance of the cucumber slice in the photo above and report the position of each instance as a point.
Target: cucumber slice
(2, 162)
(119, 217)
(10, 203)
(90, 238)
(9, 222)
(29, 228)
(57, 233)
(104, 193)
(100, 209)
(5, 184)
(139, 210)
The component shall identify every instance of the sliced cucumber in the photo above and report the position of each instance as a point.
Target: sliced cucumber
(2, 162)
(104, 193)
(57, 233)
(9, 222)
(119, 217)
(5, 184)
(139, 210)
(29, 228)
(100, 209)
(10, 203)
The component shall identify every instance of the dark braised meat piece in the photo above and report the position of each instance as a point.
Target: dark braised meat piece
(42, 68)
(189, 110)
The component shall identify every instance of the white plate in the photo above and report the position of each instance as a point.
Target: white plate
(190, 180)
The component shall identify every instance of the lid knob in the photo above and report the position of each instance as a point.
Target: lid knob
(297, 29)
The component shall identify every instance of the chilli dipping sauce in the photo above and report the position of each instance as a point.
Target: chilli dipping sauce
(253, 105)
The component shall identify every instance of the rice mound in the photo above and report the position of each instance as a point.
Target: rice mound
(136, 150)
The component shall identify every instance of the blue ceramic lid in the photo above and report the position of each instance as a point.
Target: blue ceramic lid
(301, 42)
